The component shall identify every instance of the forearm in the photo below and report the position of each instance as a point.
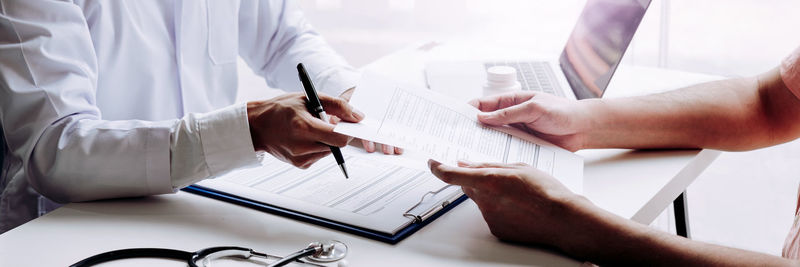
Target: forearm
(611, 240)
(82, 157)
(736, 114)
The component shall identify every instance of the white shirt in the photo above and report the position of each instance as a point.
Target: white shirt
(105, 98)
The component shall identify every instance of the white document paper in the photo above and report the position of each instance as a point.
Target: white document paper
(380, 190)
(445, 130)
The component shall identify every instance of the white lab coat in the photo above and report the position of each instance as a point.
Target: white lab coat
(95, 94)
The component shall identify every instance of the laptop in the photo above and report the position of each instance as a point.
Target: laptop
(583, 70)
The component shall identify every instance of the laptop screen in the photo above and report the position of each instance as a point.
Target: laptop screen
(597, 43)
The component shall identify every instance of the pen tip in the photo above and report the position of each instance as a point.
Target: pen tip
(344, 170)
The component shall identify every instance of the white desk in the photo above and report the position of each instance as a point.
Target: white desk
(633, 184)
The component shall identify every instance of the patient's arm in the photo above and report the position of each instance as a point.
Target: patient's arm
(613, 240)
(524, 205)
(735, 114)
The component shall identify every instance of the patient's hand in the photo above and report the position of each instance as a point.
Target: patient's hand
(519, 203)
(558, 120)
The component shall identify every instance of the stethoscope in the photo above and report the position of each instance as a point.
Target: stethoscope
(321, 252)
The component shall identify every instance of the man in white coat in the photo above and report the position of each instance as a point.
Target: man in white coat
(104, 99)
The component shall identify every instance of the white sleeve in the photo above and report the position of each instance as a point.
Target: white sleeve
(211, 144)
(48, 77)
(274, 37)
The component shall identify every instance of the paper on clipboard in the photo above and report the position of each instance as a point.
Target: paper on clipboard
(419, 119)
(384, 194)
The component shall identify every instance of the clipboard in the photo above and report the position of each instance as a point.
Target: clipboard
(421, 214)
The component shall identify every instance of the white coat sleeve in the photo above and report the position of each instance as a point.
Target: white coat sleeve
(48, 77)
(274, 36)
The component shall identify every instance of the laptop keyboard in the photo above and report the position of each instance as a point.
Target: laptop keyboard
(532, 75)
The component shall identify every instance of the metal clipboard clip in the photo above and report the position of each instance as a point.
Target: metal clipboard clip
(435, 207)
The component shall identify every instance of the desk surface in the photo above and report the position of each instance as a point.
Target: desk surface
(632, 184)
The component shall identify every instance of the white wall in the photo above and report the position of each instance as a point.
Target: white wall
(727, 37)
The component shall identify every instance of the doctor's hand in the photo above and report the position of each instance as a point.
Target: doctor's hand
(519, 203)
(558, 120)
(370, 146)
(283, 127)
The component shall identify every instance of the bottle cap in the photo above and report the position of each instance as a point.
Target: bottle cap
(501, 79)
(501, 75)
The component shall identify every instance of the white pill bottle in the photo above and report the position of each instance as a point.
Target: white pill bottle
(500, 80)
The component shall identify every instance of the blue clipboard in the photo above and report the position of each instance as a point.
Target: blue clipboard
(300, 216)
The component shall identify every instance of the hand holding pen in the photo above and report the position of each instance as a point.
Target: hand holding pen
(316, 108)
(283, 127)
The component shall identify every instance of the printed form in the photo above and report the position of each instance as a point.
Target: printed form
(381, 189)
(419, 119)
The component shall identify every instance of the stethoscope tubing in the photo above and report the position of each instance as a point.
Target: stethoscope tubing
(294, 256)
(191, 258)
(131, 253)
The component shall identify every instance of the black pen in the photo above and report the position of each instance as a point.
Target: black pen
(315, 107)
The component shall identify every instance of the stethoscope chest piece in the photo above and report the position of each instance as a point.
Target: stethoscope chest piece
(327, 251)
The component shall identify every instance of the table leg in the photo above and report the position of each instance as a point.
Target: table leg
(681, 216)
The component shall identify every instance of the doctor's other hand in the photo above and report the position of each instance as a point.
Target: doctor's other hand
(519, 203)
(556, 119)
(283, 127)
(370, 146)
